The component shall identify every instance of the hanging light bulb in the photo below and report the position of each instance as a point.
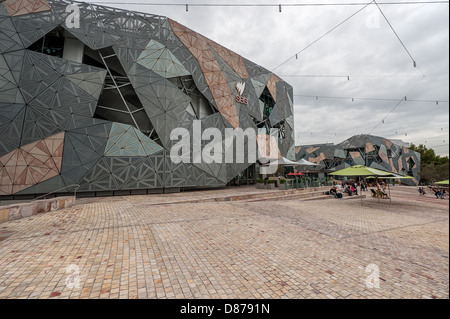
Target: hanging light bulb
(280, 7)
(187, 8)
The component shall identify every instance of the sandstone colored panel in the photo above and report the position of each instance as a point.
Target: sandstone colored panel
(311, 150)
(272, 85)
(400, 164)
(355, 155)
(370, 147)
(31, 164)
(23, 7)
(388, 143)
(384, 157)
(393, 169)
(298, 149)
(319, 159)
(200, 47)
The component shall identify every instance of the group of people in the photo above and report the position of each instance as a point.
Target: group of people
(351, 188)
(438, 192)
(347, 187)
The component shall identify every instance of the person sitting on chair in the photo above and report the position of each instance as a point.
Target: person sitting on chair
(354, 190)
(374, 193)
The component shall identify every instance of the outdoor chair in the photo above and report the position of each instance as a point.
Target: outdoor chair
(374, 194)
(382, 194)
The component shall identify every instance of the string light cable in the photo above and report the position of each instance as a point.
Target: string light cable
(323, 36)
(236, 5)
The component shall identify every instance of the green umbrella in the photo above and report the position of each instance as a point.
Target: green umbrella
(398, 177)
(443, 182)
(360, 170)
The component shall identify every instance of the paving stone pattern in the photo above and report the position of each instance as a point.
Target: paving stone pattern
(125, 247)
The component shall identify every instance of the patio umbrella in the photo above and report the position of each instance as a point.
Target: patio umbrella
(443, 182)
(304, 162)
(361, 170)
(295, 174)
(396, 176)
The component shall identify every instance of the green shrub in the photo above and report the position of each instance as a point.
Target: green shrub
(260, 181)
(282, 181)
(270, 181)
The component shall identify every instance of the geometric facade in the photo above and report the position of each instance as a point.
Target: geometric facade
(372, 151)
(92, 101)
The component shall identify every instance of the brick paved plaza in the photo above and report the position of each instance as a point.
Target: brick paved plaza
(145, 247)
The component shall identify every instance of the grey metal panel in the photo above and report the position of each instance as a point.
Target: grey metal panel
(34, 26)
(61, 95)
(9, 38)
(46, 187)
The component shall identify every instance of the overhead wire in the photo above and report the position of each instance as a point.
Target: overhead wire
(277, 5)
(368, 99)
(398, 37)
(324, 35)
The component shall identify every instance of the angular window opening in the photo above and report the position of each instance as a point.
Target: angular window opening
(411, 164)
(269, 103)
(281, 130)
(199, 107)
(118, 101)
(51, 44)
(59, 43)
(263, 126)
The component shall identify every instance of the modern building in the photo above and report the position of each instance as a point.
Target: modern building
(368, 150)
(89, 96)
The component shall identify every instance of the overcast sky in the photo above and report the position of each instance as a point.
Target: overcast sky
(364, 48)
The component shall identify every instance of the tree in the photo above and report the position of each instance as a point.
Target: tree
(434, 168)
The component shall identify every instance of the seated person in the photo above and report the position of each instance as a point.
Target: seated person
(333, 191)
(348, 191)
(382, 194)
(438, 193)
(354, 190)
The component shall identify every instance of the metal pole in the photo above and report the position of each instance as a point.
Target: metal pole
(389, 188)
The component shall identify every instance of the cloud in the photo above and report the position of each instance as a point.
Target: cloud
(364, 47)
